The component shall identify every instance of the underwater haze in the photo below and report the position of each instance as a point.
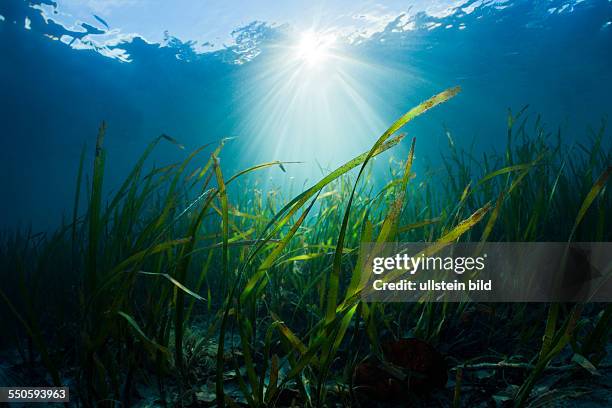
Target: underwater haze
(314, 82)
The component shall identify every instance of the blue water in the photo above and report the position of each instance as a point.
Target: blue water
(555, 56)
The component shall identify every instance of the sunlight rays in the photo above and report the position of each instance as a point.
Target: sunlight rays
(310, 99)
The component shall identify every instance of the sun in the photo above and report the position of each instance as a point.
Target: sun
(314, 48)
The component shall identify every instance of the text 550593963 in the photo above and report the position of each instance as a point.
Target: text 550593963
(34, 394)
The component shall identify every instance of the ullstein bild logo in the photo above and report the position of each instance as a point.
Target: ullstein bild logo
(487, 272)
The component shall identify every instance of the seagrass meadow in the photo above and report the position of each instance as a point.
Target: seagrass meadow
(188, 286)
